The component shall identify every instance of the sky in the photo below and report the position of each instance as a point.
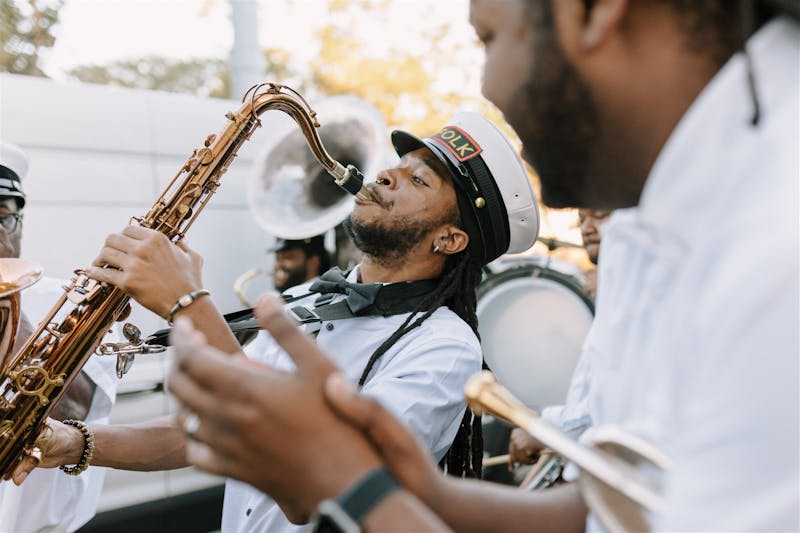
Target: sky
(100, 31)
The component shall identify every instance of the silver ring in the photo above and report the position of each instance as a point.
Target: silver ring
(191, 424)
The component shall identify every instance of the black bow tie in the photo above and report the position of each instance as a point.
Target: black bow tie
(360, 296)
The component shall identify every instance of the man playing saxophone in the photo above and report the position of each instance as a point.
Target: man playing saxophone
(61, 502)
(401, 325)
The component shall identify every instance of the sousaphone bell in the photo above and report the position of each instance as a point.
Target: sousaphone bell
(291, 196)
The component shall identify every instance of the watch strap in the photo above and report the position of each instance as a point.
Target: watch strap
(370, 490)
(344, 514)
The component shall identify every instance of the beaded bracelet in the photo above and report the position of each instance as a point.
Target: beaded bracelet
(88, 449)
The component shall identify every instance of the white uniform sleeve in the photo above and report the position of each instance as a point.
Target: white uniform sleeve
(424, 386)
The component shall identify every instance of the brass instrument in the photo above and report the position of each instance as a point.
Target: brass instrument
(37, 376)
(288, 194)
(15, 275)
(243, 281)
(620, 473)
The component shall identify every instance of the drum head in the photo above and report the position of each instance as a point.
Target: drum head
(533, 321)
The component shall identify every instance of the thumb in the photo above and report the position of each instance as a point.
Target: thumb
(23, 469)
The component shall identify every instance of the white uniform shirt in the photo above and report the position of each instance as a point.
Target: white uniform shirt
(420, 380)
(574, 416)
(50, 500)
(696, 345)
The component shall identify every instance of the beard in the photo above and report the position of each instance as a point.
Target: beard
(556, 119)
(292, 278)
(388, 243)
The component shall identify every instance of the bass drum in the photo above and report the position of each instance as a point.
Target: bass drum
(533, 320)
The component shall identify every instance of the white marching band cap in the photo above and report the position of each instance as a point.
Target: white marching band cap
(495, 198)
(13, 167)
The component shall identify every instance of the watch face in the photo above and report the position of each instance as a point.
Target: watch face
(323, 524)
(331, 518)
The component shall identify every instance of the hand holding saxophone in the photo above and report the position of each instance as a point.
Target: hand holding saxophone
(148, 267)
(63, 446)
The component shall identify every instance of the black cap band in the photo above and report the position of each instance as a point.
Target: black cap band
(10, 186)
(480, 203)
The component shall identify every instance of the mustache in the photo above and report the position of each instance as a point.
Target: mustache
(378, 199)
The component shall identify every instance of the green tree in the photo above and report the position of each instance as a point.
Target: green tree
(26, 29)
(414, 90)
(201, 77)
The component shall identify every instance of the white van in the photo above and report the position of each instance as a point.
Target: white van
(98, 156)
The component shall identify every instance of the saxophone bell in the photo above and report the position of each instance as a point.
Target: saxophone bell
(291, 196)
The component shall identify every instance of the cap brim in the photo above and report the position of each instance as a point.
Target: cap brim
(404, 142)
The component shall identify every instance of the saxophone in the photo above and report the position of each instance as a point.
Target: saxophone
(37, 376)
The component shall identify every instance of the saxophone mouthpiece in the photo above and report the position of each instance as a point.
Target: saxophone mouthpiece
(352, 180)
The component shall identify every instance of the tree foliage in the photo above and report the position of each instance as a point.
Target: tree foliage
(201, 77)
(405, 86)
(26, 30)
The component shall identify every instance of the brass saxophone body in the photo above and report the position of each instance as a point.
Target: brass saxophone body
(37, 376)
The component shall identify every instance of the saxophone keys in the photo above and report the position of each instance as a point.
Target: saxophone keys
(205, 156)
(210, 139)
(36, 455)
(124, 362)
(132, 333)
(25, 380)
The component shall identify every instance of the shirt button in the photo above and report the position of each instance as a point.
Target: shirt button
(329, 326)
(249, 510)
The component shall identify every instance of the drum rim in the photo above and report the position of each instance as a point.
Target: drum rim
(536, 271)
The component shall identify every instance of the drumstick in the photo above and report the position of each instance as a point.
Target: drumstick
(496, 460)
(537, 467)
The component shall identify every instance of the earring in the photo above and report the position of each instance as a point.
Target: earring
(436, 248)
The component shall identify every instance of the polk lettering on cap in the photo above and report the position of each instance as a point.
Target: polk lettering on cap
(458, 143)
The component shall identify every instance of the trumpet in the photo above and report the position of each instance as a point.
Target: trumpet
(620, 472)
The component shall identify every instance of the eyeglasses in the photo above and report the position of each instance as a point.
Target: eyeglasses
(10, 221)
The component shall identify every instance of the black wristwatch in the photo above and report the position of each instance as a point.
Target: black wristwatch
(345, 513)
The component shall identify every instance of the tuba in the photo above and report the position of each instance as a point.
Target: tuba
(291, 197)
(620, 473)
(37, 376)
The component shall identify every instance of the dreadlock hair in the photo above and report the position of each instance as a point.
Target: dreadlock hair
(457, 289)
